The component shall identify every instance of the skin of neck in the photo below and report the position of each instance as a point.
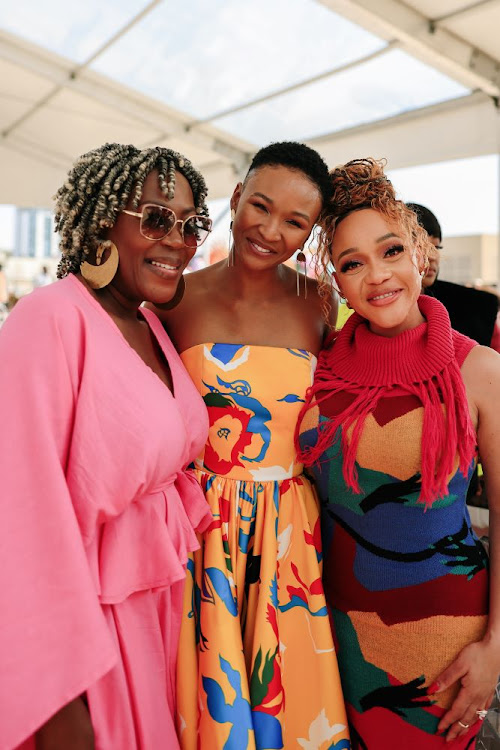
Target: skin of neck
(253, 283)
(114, 302)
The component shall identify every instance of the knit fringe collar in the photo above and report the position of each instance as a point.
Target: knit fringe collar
(420, 361)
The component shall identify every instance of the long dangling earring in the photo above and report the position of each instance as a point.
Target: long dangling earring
(179, 294)
(230, 245)
(100, 275)
(301, 258)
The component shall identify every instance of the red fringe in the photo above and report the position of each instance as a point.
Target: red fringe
(446, 431)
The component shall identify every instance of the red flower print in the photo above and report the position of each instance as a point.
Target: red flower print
(227, 436)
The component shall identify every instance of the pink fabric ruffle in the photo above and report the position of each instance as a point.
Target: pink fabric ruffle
(147, 546)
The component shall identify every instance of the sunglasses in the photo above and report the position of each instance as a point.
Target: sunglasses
(158, 221)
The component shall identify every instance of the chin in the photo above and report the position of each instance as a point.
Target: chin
(429, 281)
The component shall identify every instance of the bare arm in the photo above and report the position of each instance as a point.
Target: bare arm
(70, 727)
(478, 665)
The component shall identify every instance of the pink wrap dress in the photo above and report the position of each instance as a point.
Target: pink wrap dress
(97, 518)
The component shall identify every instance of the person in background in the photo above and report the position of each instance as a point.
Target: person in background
(257, 665)
(4, 295)
(99, 421)
(42, 278)
(472, 311)
(390, 427)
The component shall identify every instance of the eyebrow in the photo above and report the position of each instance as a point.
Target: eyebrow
(270, 200)
(162, 205)
(354, 249)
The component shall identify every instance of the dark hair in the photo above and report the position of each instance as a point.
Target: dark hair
(299, 157)
(99, 186)
(426, 219)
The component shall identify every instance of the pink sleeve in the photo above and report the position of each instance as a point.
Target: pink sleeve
(54, 641)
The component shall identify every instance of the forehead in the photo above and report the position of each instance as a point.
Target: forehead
(362, 229)
(283, 184)
(152, 193)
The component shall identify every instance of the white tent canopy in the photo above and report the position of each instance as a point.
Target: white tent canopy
(416, 82)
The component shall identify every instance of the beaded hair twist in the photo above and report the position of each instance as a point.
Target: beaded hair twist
(361, 183)
(99, 186)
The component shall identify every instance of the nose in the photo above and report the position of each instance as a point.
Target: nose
(269, 229)
(433, 253)
(174, 238)
(378, 272)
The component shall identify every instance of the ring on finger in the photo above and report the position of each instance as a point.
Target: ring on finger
(464, 726)
(482, 713)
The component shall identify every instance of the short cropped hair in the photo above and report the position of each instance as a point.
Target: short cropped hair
(299, 157)
(426, 219)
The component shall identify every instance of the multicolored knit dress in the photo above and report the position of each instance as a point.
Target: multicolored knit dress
(257, 666)
(404, 575)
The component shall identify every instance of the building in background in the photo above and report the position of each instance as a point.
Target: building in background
(35, 248)
(472, 259)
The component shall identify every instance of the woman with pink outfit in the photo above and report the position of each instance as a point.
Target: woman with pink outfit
(99, 421)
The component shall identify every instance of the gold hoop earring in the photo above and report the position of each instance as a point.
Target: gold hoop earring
(179, 294)
(301, 258)
(99, 276)
(230, 246)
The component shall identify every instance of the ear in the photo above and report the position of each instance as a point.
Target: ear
(337, 285)
(235, 198)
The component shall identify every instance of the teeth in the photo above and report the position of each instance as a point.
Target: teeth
(163, 265)
(383, 296)
(261, 249)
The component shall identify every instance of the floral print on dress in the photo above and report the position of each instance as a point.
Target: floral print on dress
(257, 666)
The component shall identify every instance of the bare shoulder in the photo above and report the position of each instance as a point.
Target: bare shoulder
(326, 300)
(481, 374)
(316, 307)
(197, 285)
(482, 360)
(204, 279)
(190, 320)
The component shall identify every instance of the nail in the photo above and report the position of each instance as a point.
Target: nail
(433, 688)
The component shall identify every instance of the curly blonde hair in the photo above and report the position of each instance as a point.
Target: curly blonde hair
(99, 186)
(362, 183)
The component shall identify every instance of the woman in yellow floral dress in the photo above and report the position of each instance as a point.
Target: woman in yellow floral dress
(257, 665)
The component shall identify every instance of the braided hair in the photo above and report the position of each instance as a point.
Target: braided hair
(362, 183)
(101, 183)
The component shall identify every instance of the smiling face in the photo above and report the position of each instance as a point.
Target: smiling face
(276, 209)
(151, 270)
(433, 267)
(377, 272)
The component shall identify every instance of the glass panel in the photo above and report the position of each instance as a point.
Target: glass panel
(74, 30)
(388, 85)
(205, 57)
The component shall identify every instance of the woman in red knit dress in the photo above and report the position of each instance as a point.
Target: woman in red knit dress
(390, 428)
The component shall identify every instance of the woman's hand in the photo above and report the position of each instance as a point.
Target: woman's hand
(70, 727)
(477, 667)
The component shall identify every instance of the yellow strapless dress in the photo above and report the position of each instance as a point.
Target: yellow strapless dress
(257, 665)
